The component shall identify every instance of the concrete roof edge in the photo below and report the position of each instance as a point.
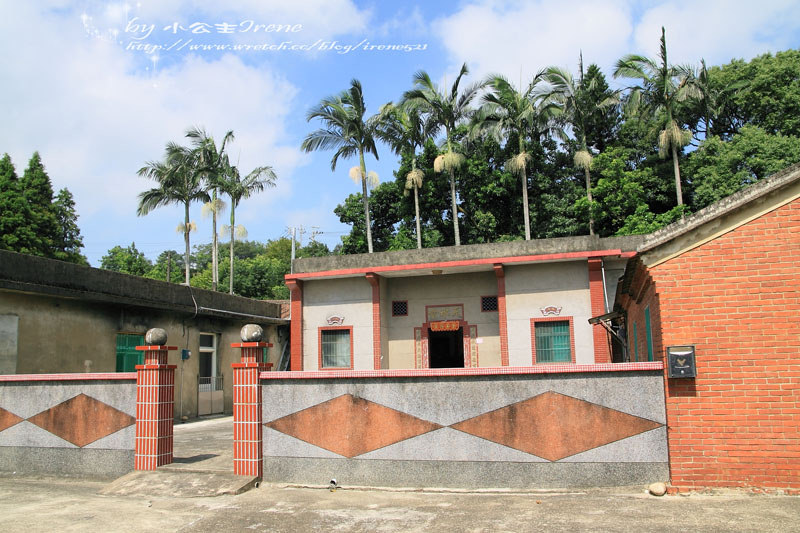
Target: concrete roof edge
(726, 205)
(26, 273)
(467, 252)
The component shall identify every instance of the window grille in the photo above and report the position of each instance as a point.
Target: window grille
(488, 303)
(336, 348)
(399, 308)
(553, 342)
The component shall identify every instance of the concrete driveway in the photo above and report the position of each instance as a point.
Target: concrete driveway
(32, 505)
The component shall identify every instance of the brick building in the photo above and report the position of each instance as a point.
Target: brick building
(727, 281)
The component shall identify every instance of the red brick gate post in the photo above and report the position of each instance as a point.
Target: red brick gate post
(155, 401)
(248, 454)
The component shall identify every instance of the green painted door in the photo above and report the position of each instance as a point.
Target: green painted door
(127, 355)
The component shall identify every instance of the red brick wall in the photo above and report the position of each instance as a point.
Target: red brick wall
(737, 298)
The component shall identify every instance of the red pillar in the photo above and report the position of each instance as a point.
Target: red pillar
(296, 349)
(501, 313)
(155, 401)
(248, 453)
(374, 280)
(598, 299)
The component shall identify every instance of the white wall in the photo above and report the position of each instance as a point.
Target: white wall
(347, 297)
(532, 287)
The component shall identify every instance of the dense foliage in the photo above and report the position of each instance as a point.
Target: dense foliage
(713, 130)
(32, 221)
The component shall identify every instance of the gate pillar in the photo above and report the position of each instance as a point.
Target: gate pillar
(155, 403)
(248, 453)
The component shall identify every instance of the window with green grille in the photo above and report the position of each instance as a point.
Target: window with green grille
(553, 342)
(648, 333)
(127, 355)
(335, 345)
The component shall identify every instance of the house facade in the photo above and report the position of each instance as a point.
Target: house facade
(493, 305)
(61, 318)
(724, 284)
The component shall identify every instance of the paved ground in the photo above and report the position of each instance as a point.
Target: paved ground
(32, 505)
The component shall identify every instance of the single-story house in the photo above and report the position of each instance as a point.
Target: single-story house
(58, 317)
(490, 305)
(723, 286)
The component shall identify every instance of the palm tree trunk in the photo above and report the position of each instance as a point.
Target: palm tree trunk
(366, 200)
(233, 232)
(676, 167)
(214, 244)
(416, 209)
(588, 178)
(525, 208)
(186, 239)
(453, 206)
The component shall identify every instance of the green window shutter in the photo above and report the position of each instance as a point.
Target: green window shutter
(635, 343)
(648, 333)
(553, 342)
(127, 355)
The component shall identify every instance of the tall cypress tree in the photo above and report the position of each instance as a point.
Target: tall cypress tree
(69, 241)
(37, 192)
(15, 214)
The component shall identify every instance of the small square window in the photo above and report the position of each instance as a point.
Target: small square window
(400, 308)
(488, 303)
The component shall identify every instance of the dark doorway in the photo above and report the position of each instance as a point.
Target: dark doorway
(446, 348)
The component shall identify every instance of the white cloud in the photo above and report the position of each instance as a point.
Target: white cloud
(518, 38)
(718, 30)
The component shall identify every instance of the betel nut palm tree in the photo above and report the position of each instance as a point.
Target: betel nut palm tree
(508, 113)
(211, 161)
(448, 109)
(239, 188)
(405, 129)
(346, 130)
(179, 182)
(659, 92)
(556, 85)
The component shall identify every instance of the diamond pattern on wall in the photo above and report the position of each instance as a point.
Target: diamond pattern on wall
(8, 419)
(82, 420)
(554, 426)
(351, 426)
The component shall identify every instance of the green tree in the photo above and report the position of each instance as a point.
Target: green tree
(16, 232)
(212, 164)
(448, 110)
(68, 242)
(662, 87)
(580, 104)
(37, 191)
(405, 129)
(508, 114)
(239, 188)
(350, 134)
(721, 168)
(767, 94)
(167, 267)
(179, 182)
(127, 260)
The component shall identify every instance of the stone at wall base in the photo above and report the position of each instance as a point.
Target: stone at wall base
(657, 489)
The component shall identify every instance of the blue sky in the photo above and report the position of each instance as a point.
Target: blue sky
(85, 84)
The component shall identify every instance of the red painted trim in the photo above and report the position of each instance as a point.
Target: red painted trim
(251, 345)
(627, 255)
(602, 354)
(657, 366)
(502, 316)
(465, 262)
(94, 376)
(399, 301)
(553, 319)
(375, 281)
(319, 345)
(296, 325)
(155, 348)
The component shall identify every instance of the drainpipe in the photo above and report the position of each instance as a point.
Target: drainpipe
(605, 290)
